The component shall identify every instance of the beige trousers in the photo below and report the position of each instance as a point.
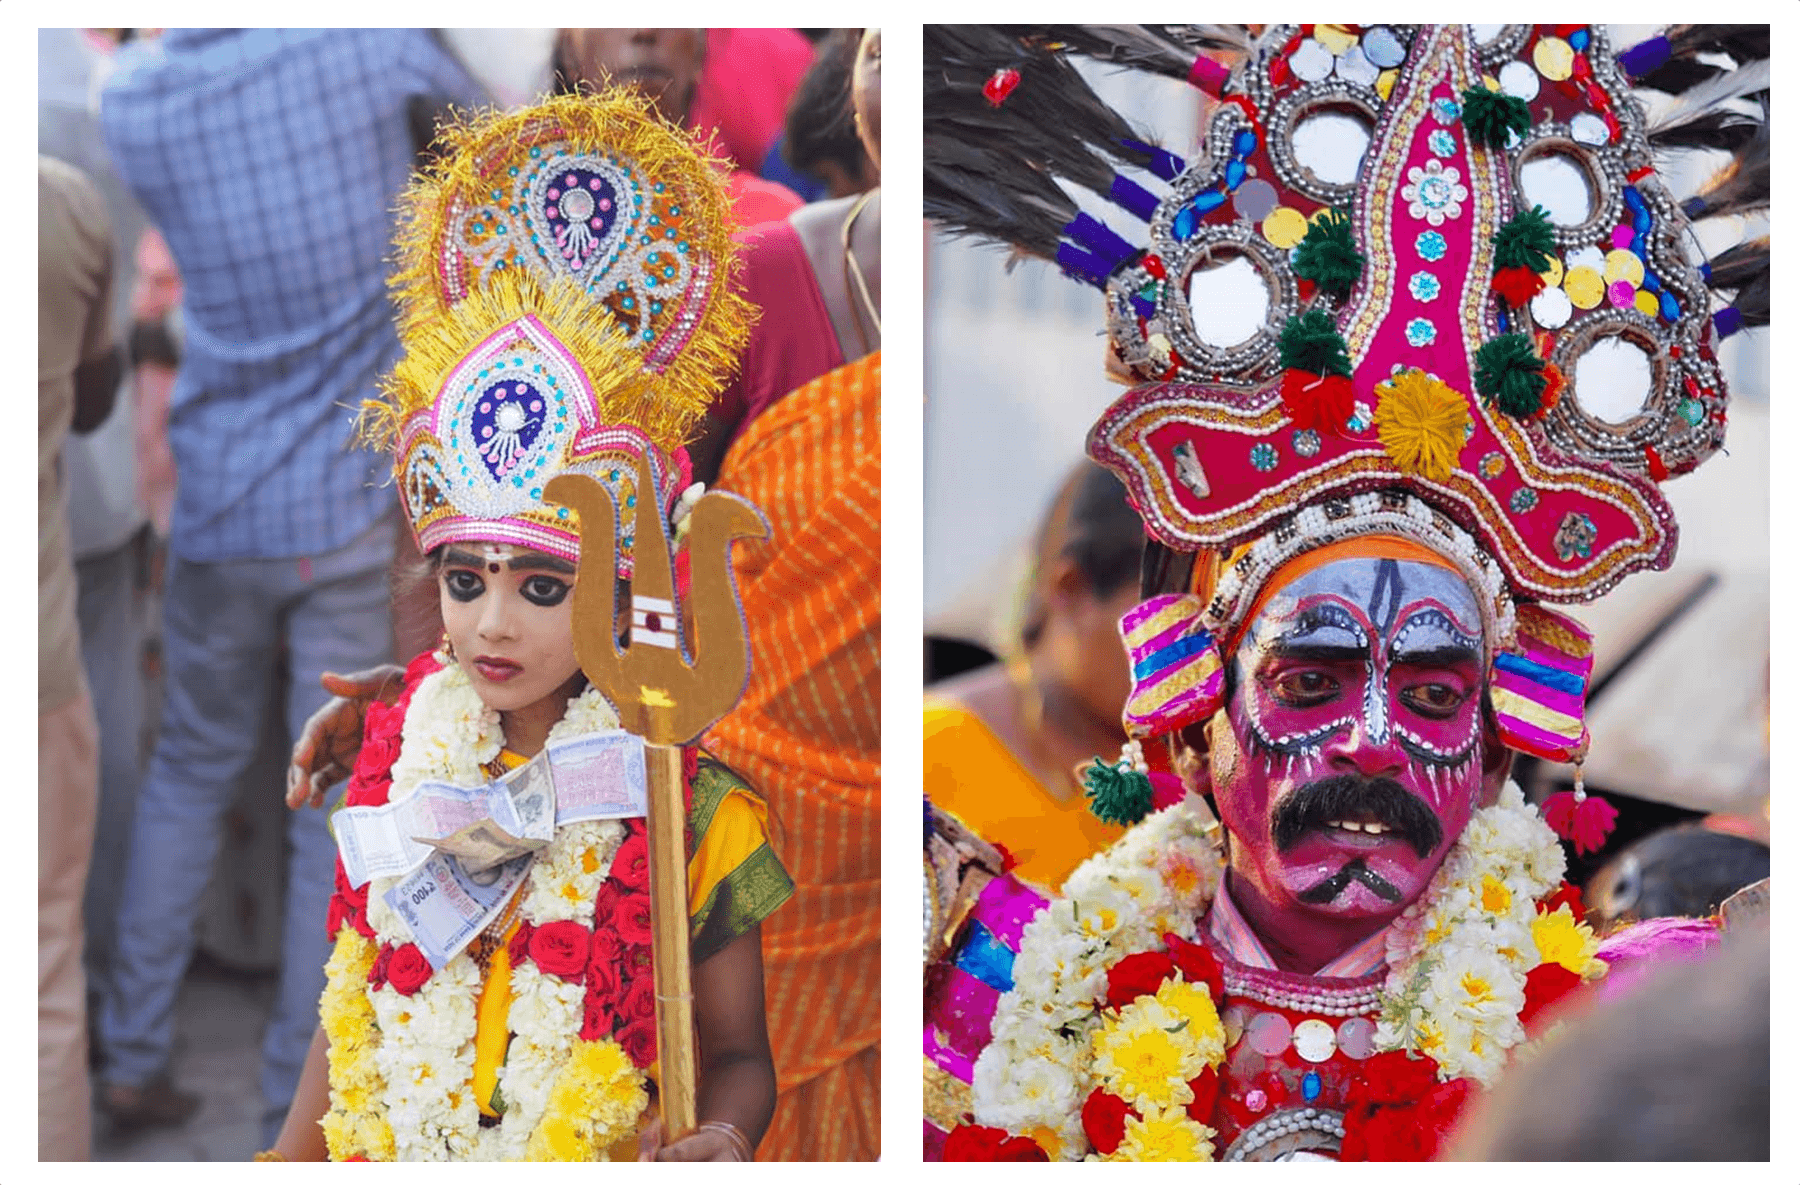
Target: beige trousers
(68, 795)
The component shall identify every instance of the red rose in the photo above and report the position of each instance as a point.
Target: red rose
(518, 947)
(639, 1002)
(1103, 1119)
(639, 1042)
(1206, 1096)
(1197, 965)
(604, 950)
(631, 919)
(1547, 984)
(1566, 894)
(636, 962)
(407, 969)
(631, 863)
(606, 902)
(596, 1013)
(603, 981)
(561, 949)
(1137, 975)
(378, 970)
(969, 1142)
(1393, 1077)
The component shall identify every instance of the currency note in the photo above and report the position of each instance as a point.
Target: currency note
(445, 905)
(599, 776)
(531, 789)
(393, 840)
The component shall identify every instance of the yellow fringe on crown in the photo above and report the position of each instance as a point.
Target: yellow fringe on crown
(481, 150)
(355, 1122)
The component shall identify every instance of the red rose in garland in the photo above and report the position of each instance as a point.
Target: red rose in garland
(1546, 985)
(378, 969)
(518, 947)
(631, 863)
(970, 1142)
(1197, 965)
(407, 969)
(639, 1042)
(1398, 1110)
(1103, 1119)
(561, 949)
(631, 919)
(1137, 975)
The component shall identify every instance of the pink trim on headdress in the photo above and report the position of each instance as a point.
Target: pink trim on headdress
(1178, 676)
(681, 329)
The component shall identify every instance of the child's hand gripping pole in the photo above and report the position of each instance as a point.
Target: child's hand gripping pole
(666, 699)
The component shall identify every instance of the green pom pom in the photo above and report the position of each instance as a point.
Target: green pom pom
(1328, 256)
(1311, 342)
(1117, 793)
(1509, 374)
(1490, 115)
(1526, 241)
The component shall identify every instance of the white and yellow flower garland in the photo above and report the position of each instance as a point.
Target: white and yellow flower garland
(1458, 959)
(400, 1066)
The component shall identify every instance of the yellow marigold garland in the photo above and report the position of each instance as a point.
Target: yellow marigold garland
(355, 1121)
(596, 1100)
(1423, 424)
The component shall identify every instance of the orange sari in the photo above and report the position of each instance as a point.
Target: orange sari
(807, 735)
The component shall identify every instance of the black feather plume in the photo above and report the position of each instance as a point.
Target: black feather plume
(991, 169)
(1741, 187)
(1158, 49)
(1744, 270)
(1683, 70)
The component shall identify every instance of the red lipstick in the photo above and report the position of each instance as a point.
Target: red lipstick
(496, 670)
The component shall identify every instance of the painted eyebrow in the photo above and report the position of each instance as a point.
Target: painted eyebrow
(521, 563)
(1438, 656)
(1316, 651)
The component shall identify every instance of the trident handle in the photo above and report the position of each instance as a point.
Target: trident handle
(669, 700)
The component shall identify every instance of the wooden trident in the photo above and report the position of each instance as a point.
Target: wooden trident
(666, 699)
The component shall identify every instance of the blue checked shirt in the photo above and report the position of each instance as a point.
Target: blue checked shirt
(271, 161)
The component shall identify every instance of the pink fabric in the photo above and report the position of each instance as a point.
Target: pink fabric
(744, 88)
(1006, 905)
(755, 201)
(1639, 949)
(793, 342)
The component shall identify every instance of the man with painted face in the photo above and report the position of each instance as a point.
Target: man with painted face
(1340, 920)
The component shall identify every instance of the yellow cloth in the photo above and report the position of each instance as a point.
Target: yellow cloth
(736, 832)
(972, 774)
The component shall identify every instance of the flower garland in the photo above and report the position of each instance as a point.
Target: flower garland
(1109, 1043)
(582, 1006)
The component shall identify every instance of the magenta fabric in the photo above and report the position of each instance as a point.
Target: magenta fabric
(1004, 907)
(793, 342)
(1639, 949)
(744, 88)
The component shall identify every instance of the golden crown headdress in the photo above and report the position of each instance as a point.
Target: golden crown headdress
(566, 306)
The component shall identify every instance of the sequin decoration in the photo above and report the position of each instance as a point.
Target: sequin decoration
(1524, 500)
(1431, 246)
(1420, 332)
(1306, 442)
(1493, 465)
(1691, 410)
(1264, 456)
(507, 421)
(1445, 110)
(1434, 192)
(1441, 143)
(1424, 286)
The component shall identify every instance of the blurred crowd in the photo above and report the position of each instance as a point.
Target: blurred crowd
(214, 220)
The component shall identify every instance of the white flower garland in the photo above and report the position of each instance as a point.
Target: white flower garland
(427, 1050)
(1458, 957)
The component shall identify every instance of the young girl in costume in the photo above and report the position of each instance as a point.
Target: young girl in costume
(564, 311)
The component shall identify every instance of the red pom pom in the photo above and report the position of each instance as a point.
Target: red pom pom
(1165, 790)
(1517, 285)
(1322, 402)
(1586, 824)
(1137, 975)
(1000, 84)
(1197, 965)
(1103, 1119)
(970, 1142)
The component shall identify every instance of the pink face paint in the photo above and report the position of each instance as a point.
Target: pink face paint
(1354, 737)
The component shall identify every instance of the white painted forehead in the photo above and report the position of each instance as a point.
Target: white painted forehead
(1381, 586)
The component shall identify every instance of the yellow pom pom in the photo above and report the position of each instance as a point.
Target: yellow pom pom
(1423, 424)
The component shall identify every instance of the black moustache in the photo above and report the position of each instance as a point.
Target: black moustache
(1348, 796)
(1328, 889)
